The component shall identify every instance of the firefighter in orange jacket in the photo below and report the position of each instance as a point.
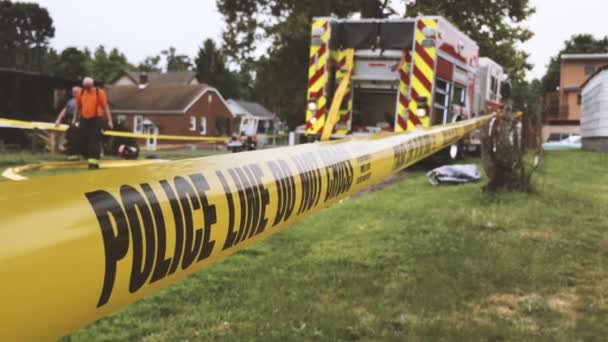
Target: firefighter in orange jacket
(93, 109)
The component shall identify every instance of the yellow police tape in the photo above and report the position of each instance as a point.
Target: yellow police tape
(75, 248)
(15, 173)
(47, 126)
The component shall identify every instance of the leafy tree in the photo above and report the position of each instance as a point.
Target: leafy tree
(497, 28)
(150, 64)
(211, 69)
(72, 63)
(581, 43)
(108, 67)
(176, 62)
(527, 96)
(25, 30)
(277, 21)
(24, 25)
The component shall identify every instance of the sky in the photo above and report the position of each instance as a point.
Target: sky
(141, 28)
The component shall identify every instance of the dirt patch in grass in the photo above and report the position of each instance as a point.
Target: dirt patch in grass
(512, 306)
(365, 317)
(222, 328)
(546, 235)
(508, 305)
(564, 303)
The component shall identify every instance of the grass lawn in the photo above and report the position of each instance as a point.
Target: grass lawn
(410, 262)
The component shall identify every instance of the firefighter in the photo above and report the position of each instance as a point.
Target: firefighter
(72, 138)
(70, 108)
(93, 109)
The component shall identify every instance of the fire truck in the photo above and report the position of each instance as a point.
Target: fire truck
(371, 75)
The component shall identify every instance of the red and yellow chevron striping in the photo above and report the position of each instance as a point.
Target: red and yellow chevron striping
(344, 124)
(317, 76)
(422, 75)
(403, 102)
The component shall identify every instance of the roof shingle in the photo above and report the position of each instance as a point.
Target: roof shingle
(157, 78)
(153, 98)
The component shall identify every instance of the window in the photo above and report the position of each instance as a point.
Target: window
(589, 69)
(203, 126)
(192, 123)
(493, 88)
(222, 126)
(264, 127)
(459, 95)
(579, 99)
(138, 124)
(121, 119)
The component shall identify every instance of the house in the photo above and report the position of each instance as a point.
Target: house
(171, 107)
(248, 112)
(255, 120)
(563, 106)
(594, 118)
(157, 78)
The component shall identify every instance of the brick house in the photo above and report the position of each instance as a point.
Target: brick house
(174, 108)
(563, 106)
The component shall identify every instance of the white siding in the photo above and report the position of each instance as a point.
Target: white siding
(594, 118)
(486, 70)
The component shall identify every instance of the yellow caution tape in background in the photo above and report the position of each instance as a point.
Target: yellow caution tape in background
(75, 248)
(15, 173)
(47, 126)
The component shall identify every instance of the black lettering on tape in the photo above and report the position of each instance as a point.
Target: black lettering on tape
(189, 203)
(242, 204)
(398, 152)
(286, 190)
(340, 174)
(230, 234)
(179, 225)
(264, 199)
(116, 245)
(250, 202)
(253, 200)
(162, 265)
(209, 214)
(311, 181)
(135, 203)
(140, 223)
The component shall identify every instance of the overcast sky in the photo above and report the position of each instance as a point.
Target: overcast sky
(141, 28)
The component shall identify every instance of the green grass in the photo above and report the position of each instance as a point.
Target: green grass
(410, 262)
(181, 154)
(8, 159)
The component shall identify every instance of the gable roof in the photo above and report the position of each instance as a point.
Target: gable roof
(158, 78)
(252, 108)
(169, 99)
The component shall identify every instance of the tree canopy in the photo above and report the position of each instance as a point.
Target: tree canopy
(211, 69)
(24, 25)
(151, 63)
(25, 31)
(176, 62)
(108, 67)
